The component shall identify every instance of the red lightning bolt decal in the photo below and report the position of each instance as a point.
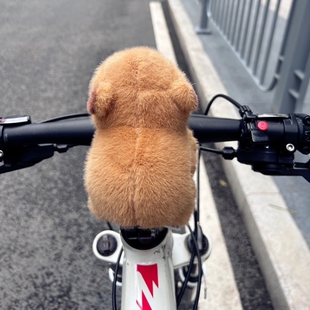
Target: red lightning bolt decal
(149, 274)
(145, 303)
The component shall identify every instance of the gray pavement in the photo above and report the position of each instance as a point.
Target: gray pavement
(242, 88)
(49, 50)
(279, 244)
(247, 274)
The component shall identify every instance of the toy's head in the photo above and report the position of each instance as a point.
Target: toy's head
(139, 87)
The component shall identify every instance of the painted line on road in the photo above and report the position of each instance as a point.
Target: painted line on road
(161, 32)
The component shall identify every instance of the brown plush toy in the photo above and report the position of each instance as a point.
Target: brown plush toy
(139, 170)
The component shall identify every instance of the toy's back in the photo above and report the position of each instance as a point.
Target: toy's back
(140, 166)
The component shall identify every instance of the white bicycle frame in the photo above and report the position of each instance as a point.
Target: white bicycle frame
(148, 281)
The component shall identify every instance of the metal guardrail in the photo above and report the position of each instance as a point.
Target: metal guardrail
(294, 71)
(273, 48)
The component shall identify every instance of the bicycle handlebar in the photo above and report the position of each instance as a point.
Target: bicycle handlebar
(267, 142)
(80, 131)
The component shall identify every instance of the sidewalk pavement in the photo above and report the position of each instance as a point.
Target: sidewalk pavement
(279, 245)
(220, 284)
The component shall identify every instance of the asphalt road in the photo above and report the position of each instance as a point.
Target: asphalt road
(49, 50)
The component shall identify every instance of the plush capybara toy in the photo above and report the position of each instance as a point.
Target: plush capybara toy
(139, 169)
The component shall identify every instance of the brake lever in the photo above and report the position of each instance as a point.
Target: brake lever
(302, 169)
(28, 156)
(23, 157)
(297, 169)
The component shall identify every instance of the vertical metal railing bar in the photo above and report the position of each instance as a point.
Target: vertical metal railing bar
(221, 14)
(219, 11)
(240, 27)
(222, 9)
(213, 9)
(304, 85)
(230, 20)
(252, 36)
(236, 23)
(246, 29)
(295, 70)
(203, 27)
(226, 18)
(230, 7)
(269, 43)
(284, 41)
(216, 10)
(260, 37)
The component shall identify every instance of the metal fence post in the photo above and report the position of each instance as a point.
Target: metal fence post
(295, 67)
(203, 24)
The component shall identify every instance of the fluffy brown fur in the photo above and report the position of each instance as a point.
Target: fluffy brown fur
(140, 165)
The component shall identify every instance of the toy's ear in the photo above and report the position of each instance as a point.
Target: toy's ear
(184, 96)
(100, 99)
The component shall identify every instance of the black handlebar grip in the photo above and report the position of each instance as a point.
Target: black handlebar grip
(213, 129)
(77, 132)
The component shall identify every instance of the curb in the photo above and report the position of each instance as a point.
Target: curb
(220, 285)
(280, 248)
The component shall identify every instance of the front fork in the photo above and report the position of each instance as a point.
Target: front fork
(148, 262)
